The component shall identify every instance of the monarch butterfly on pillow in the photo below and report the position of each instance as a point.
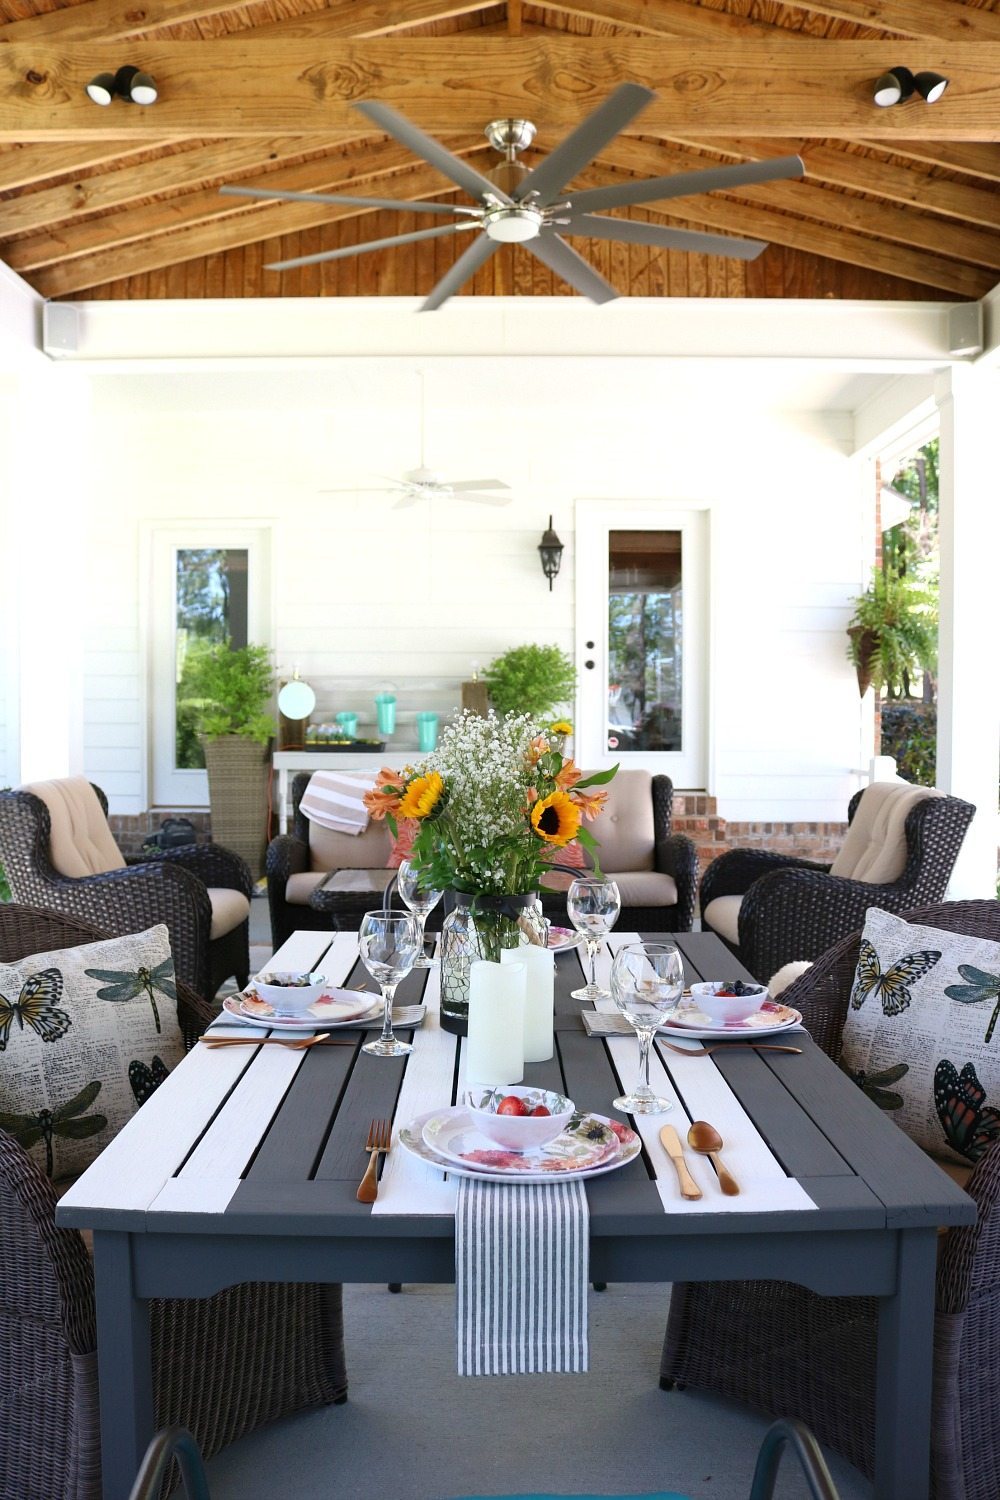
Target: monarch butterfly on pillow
(35, 1006)
(969, 1124)
(892, 985)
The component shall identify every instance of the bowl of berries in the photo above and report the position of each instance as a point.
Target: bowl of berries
(519, 1118)
(728, 1000)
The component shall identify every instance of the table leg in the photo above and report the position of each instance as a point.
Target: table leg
(904, 1372)
(124, 1366)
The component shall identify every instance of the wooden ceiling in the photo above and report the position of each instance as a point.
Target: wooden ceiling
(123, 201)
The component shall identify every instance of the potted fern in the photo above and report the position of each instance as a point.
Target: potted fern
(231, 693)
(893, 632)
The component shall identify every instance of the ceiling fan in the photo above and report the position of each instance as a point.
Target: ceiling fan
(529, 205)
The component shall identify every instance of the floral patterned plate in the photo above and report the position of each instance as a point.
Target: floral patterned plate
(561, 939)
(339, 1008)
(611, 1145)
(772, 1016)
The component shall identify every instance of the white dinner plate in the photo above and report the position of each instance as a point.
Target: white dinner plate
(772, 1017)
(452, 1133)
(340, 1008)
(411, 1136)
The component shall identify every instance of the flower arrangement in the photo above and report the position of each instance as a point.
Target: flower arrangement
(493, 804)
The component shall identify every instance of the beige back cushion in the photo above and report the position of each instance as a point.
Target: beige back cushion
(82, 843)
(875, 847)
(624, 830)
(329, 850)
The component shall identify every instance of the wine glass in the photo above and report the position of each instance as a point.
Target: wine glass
(421, 899)
(593, 907)
(389, 942)
(647, 980)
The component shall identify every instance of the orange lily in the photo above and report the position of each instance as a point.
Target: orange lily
(539, 746)
(568, 776)
(590, 803)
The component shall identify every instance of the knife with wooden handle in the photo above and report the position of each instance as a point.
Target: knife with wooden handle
(672, 1145)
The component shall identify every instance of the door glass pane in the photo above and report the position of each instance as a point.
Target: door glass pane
(645, 616)
(211, 610)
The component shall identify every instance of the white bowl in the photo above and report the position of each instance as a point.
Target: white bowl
(290, 991)
(725, 1008)
(520, 1132)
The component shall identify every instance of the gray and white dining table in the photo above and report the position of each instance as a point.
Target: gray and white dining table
(244, 1165)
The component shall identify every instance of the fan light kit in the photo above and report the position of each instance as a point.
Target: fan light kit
(129, 83)
(517, 204)
(899, 84)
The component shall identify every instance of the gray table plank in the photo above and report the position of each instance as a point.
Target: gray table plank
(295, 1139)
(371, 1094)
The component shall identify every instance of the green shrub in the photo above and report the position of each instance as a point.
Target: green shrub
(909, 734)
(531, 680)
(229, 692)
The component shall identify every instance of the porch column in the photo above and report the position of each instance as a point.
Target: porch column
(968, 744)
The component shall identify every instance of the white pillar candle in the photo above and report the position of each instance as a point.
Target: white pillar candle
(495, 1045)
(539, 998)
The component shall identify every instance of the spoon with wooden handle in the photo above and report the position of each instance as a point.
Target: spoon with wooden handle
(727, 1047)
(292, 1044)
(672, 1145)
(706, 1139)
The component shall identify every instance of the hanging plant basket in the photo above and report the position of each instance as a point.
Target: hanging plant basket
(864, 648)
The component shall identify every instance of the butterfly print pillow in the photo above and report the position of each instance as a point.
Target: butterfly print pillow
(927, 1001)
(86, 1035)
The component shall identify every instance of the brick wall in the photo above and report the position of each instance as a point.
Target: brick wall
(696, 815)
(132, 830)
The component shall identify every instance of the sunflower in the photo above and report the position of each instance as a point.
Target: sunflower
(421, 796)
(561, 726)
(556, 819)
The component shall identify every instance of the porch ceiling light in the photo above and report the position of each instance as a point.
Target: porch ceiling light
(129, 83)
(899, 84)
(550, 550)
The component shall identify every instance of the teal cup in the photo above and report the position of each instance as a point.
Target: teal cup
(385, 708)
(348, 723)
(427, 731)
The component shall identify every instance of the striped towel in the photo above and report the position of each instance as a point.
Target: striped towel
(522, 1259)
(335, 801)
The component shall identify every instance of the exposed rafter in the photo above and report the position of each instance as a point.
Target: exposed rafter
(946, 20)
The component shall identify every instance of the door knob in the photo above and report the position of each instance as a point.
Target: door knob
(589, 664)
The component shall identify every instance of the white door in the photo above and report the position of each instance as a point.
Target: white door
(641, 637)
(210, 584)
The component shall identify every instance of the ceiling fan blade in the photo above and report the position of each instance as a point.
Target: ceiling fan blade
(345, 250)
(480, 499)
(421, 144)
(580, 147)
(405, 501)
(632, 232)
(397, 203)
(479, 484)
(563, 259)
(468, 262)
(682, 184)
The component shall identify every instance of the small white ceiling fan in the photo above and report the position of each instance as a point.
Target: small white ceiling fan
(423, 483)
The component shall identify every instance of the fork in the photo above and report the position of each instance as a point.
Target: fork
(296, 1044)
(379, 1141)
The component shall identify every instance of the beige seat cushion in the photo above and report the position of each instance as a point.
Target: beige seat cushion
(624, 830)
(646, 888)
(359, 882)
(300, 887)
(874, 849)
(229, 909)
(723, 916)
(329, 850)
(82, 843)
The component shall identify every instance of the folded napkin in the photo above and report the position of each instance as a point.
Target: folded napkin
(337, 801)
(522, 1259)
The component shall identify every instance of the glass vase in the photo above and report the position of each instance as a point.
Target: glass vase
(479, 927)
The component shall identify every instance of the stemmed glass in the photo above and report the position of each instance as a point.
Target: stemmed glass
(647, 980)
(421, 900)
(593, 907)
(389, 942)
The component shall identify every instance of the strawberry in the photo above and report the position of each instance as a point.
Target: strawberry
(510, 1104)
(540, 1109)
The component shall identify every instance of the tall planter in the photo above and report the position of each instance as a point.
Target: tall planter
(238, 776)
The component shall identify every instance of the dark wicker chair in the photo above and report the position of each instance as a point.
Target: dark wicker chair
(786, 1350)
(170, 887)
(795, 909)
(223, 1365)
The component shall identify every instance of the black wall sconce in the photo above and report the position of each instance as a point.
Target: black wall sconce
(899, 84)
(128, 83)
(550, 550)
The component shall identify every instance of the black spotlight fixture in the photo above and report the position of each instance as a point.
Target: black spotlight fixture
(899, 84)
(550, 550)
(129, 83)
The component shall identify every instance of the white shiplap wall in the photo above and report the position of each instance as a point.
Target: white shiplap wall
(364, 595)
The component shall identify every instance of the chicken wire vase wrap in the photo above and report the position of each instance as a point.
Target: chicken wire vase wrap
(480, 927)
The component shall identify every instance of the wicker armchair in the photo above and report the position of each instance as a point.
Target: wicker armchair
(784, 1349)
(223, 1365)
(201, 891)
(771, 909)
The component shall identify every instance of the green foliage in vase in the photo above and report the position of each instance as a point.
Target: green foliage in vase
(900, 612)
(230, 692)
(531, 680)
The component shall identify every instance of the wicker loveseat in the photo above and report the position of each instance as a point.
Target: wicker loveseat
(786, 1350)
(223, 1365)
(900, 849)
(59, 852)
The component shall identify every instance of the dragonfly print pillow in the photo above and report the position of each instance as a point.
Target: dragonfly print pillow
(86, 1034)
(921, 1035)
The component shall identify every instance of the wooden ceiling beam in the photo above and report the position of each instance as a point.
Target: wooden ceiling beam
(667, 18)
(211, 235)
(863, 174)
(21, 166)
(942, 20)
(977, 161)
(766, 86)
(884, 221)
(116, 20)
